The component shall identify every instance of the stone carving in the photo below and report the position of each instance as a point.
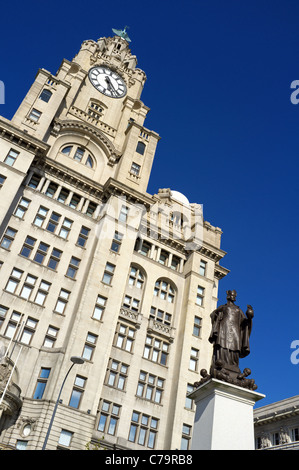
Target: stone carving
(230, 334)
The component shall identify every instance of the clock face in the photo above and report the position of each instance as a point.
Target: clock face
(107, 82)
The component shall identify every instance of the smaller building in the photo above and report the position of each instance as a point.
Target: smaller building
(277, 425)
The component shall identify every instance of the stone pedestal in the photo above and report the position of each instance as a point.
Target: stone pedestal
(224, 416)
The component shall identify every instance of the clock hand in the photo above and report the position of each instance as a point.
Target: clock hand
(110, 86)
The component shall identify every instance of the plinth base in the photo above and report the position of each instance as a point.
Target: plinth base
(224, 416)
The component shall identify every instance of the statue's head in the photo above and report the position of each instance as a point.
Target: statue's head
(231, 295)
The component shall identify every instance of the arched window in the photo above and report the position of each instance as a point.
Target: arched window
(45, 95)
(89, 162)
(79, 154)
(136, 277)
(67, 150)
(164, 291)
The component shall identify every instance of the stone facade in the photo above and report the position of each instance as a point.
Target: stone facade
(277, 425)
(94, 266)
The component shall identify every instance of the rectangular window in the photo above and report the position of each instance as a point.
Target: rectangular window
(27, 247)
(62, 301)
(143, 429)
(200, 296)
(124, 337)
(2, 180)
(13, 281)
(42, 293)
(89, 346)
(8, 238)
(145, 248)
(186, 437)
(74, 201)
(3, 312)
(63, 195)
(193, 362)
(41, 383)
(22, 208)
(51, 336)
(29, 330)
(123, 215)
(150, 387)
(11, 157)
(197, 326)
(189, 401)
(41, 253)
(45, 95)
(135, 169)
(53, 222)
(131, 303)
(54, 259)
(116, 242)
(34, 182)
(109, 417)
(83, 236)
(35, 115)
(99, 307)
(108, 273)
(65, 228)
(40, 216)
(73, 267)
(13, 324)
(28, 287)
(202, 268)
(91, 209)
(51, 190)
(65, 438)
(116, 375)
(156, 350)
(77, 391)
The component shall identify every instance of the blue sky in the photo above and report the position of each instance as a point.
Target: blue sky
(219, 76)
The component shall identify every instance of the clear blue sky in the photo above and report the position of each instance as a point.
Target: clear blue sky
(219, 75)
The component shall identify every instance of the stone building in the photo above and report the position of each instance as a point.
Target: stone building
(93, 266)
(277, 425)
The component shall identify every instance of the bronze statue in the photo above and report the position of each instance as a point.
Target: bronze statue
(230, 334)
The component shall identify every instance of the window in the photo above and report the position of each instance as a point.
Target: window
(42, 293)
(83, 236)
(65, 438)
(136, 278)
(65, 228)
(63, 195)
(163, 258)
(77, 391)
(13, 281)
(189, 401)
(62, 301)
(51, 190)
(89, 346)
(202, 268)
(28, 287)
(53, 222)
(108, 273)
(160, 316)
(156, 350)
(11, 157)
(41, 253)
(143, 429)
(116, 242)
(8, 238)
(117, 374)
(2, 180)
(99, 307)
(109, 416)
(40, 216)
(193, 362)
(124, 337)
(175, 263)
(54, 259)
(150, 387)
(200, 296)
(13, 324)
(89, 162)
(45, 95)
(131, 303)
(35, 115)
(123, 215)
(79, 154)
(21, 444)
(22, 208)
(135, 169)
(74, 201)
(67, 150)
(50, 337)
(3, 312)
(29, 330)
(73, 267)
(164, 291)
(91, 209)
(140, 148)
(145, 248)
(186, 437)
(197, 326)
(27, 247)
(34, 182)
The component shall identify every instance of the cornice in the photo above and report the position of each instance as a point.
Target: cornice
(9, 131)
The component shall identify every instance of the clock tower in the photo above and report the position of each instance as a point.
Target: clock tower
(105, 290)
(96, 96)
